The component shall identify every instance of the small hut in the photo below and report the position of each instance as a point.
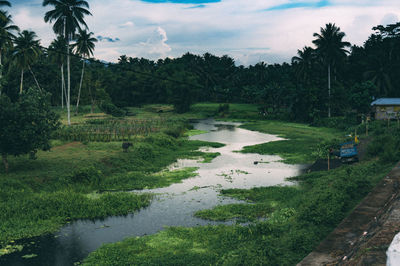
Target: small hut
(386, 108)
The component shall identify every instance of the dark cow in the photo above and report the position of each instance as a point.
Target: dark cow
(126, 145)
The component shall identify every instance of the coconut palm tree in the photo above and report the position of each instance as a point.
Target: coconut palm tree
(3, 15)
(56, 53)
(26, 52)
(84, 46)
(378, 73)
(68, 16)
(7, 30)
(5, 3)
(304, 62)
(331, 49)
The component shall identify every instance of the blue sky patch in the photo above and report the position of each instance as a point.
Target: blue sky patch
(182, 1)
(319, 4)
(196, 6)
(107, 39)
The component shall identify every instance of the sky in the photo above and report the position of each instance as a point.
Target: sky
(250, 31)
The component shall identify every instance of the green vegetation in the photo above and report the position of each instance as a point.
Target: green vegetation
(25, 125)
(301, 144)
(45, 191)
(25, 213)
(241, 212)
(194, 132)
(105, 130)
(38, 196)
(297, 219)
(140, 180)
(236, 111)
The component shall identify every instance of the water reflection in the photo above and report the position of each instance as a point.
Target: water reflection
(174, 205)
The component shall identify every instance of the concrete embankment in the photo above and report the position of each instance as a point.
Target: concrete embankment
(364, 236)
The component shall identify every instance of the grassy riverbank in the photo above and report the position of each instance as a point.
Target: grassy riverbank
(298, 219)
(38, 196)
(301, 144)
(288, 221)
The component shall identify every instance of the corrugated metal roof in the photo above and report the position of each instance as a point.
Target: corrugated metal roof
(386, 101)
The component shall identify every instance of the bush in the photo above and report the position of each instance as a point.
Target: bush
(161, 140)
(144, 151)
(223, 108)
(111, 109)
(386, 147)
(340, 122)
(88, 175)
(176, 131)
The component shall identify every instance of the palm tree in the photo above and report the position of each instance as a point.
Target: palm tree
(68, 16)
(3, 15)
(378, 73)
(7, 30)
(84, 47)
(5, 3)
(6, 33)
(304, 62)
(26, 52)
(56, 53)
(331, 50)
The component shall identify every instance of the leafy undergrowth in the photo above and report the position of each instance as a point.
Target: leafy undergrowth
(38, 196)
(240, 212)
(26, 214)
(301, 144)
(140, 180)
(263, 201)
(299, 219)
(195, 132)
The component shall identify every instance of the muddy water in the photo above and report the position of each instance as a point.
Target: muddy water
(174, 205)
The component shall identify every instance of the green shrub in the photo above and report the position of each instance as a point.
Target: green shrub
(175, 131)
(111, 109)
(161, 140)
(223, 108)
(144, 151)
(386, 147)
(87, 175)
(339, 122)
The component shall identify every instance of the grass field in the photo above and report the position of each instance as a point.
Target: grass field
(38, 196)
(301, 144)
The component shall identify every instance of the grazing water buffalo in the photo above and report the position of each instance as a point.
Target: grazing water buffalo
(126, 145)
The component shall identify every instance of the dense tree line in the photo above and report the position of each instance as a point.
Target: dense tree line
(332, 79)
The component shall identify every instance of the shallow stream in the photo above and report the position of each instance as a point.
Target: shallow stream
(173, 205)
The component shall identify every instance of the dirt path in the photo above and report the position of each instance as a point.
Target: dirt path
(364, 236)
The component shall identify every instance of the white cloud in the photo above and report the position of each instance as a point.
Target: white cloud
(31, 19)
(390, 18)
(156, 45)
(128, 24)
(227, 27)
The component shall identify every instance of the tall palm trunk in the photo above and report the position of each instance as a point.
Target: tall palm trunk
(68, 86)
(22, 81)
(34, 77)
(329, 90)
(62, 86)
(80, 87)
